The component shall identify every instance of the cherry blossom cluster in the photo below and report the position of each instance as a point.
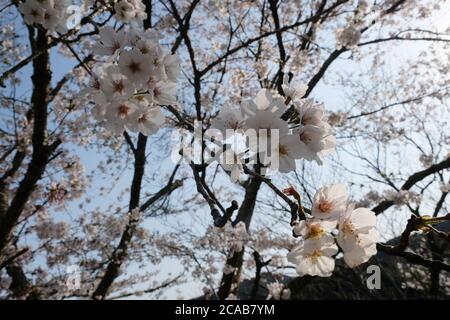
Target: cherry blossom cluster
(445, 187)
(277, 291)
(402, 197)
(234, 237)
(304, 135)
(50, 14)
(127, 11)
(130, 11)
(48, 229)
(137, 77)
(334, 224)
(349, 36)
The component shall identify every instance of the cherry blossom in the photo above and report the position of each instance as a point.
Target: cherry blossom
(164, 93)
(314, 228)
(357, 235)
(130, 11)
(265, 100)
(135, 66)
(293, 90)
(314, 256)
(356, 232)
(289, 150)
(229, 118)
(330, 202)
(110, 41)
(118, 115)
(240, 237)
(134, 87)
(316, 142)
(171, 64)
(278, 291)
(348, 37)
(33, 11)
(261, 118)
(266, 120)
(310, 113)
(116, 85)
(146, 119)
(52, 15)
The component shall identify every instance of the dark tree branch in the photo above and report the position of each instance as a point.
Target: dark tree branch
(413, 258)
(268, 34)
(295, 210)
(279, 35)
(236, 258)
(162, 286)
(21, 287)
(183, 25)
(11, 259)
(121, 251)
(411, 181)
(167, 190)
(260, 263)
(219, 219)
(54, 92)
(41, 149)
(129, 142)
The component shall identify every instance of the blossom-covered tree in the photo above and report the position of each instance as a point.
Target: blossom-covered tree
(159, 148)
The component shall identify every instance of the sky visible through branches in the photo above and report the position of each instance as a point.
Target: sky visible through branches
(340, 91)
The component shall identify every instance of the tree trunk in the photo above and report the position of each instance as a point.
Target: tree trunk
(229, 283)
(41, 150)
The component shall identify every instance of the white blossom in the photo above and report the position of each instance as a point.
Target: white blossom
(314, 257)
(293, 90)
(357, 235)
(116, 85)
(137, 77)
(165, 93)
(52, 15)
(314, 228)
(278, 291)
(135, 215)
(348, 37)
(135, 66)
(316, 142)
(118, 114)
(171, 64)
(229, 118)
(239, 237)
(110, 41)
(309, 112)
(130, 11)
(266, 120)
(265, 101)
(330, 202)
(402, 197)
(445, 187)
(146, 120)
(289, 150)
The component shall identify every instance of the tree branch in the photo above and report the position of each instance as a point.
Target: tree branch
(411, 181)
